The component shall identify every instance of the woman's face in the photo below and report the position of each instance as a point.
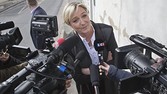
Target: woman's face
(80, 21)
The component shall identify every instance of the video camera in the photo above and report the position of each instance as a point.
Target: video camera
(12, 39)
(149, 77)
(51, 69)
(45, 25)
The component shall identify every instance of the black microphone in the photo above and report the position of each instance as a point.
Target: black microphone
(57, 54)
(6, 25)
(80, 56)
(99, 46)
(68, 68)
(94, 76)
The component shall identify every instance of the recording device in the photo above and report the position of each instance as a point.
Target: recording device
(144, 66)
(43, 64)
(45, 25)
(120, 53)
(12, 40)
(99, 47)
(13, 37)
(6, 25)
(20, 52)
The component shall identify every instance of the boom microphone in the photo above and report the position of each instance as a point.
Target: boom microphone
(57, 54)
(6, 25)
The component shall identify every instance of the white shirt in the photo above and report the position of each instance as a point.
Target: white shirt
(91, 50)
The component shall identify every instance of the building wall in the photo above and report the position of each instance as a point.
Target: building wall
(128, 17)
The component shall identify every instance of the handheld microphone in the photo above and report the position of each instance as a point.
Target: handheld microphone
(6, 25)
(99, 46)
(94, 76)
(57, 54)
(58, 42)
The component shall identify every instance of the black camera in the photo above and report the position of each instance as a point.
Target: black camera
(149, 77)
(13, 37)
(45, 25)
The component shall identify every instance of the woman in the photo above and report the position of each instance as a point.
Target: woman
(75, 14)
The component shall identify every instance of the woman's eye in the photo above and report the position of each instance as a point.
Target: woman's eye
(74, 21)
(84, 16)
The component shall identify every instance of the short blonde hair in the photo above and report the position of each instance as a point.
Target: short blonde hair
(70, 8)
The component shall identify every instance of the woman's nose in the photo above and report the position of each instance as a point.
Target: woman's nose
(82, 22)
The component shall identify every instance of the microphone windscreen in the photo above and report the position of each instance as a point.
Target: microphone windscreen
(94, 74)
(99, 45)
(69, 43)
(6, 25)
(58, 42)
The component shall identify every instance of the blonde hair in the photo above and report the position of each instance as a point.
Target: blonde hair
(70, 8)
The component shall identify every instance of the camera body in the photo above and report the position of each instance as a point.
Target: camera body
(45, 25)
(13, 37)
(139, 60)
(11, 41)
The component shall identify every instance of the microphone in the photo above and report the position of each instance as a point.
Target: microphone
(57, 54)
(79, 57)
(99, 46)
(6, 25)
(94, 76)
(58, 42)
(68, 68)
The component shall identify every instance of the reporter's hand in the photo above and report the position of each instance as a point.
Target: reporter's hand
(104, 67)
(68, 83)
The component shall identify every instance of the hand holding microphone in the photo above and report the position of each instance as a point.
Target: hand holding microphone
(104, 68)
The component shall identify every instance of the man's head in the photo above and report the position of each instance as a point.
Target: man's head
(32, 3)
